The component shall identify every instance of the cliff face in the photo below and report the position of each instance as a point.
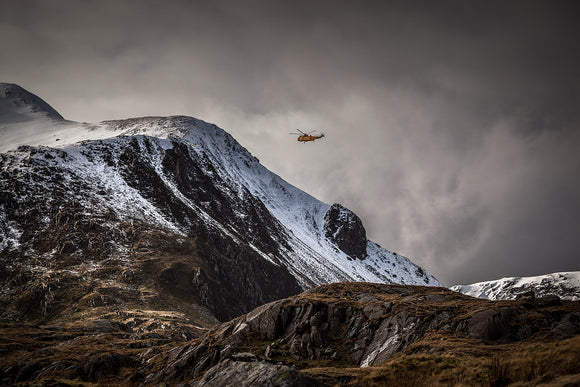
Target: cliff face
(185, 176)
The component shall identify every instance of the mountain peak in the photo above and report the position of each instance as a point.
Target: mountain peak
(18, 104)
(190, 177)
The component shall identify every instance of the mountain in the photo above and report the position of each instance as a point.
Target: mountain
(158, 250)
(17, 104)
(564, 285)
(174, 197)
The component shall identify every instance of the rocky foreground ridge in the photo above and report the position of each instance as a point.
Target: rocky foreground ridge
(363, 325)
(345, 333)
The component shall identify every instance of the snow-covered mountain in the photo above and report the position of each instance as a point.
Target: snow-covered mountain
(178, 174)
(566, 285)
(19, 105)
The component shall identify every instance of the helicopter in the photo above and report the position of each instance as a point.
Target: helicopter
(305, 137)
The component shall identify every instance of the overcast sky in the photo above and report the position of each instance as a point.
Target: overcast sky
(452, 126)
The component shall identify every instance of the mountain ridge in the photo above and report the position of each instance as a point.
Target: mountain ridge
(565, 285)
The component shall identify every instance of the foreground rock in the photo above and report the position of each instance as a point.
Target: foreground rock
(247, 369)
(343, 333)
(362, 325)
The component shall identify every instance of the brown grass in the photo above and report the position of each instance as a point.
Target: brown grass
(440, 358)
(529, 364)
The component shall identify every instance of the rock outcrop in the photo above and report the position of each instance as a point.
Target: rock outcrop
(362, 325)
(345, 229)
(247, 369)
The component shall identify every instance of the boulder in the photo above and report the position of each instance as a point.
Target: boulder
(246, 369)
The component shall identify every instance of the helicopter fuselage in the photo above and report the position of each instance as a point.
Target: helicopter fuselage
(307, 137)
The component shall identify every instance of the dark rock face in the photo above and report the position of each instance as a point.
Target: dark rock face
(527, 295)
(198, 181)
(492, 324)
(63, 224)
(236, 278)
(344, 227)
(238, 281)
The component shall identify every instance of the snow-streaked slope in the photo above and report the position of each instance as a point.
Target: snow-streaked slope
(85, 151)
(25, 119)
(18, 105)
(566, 285)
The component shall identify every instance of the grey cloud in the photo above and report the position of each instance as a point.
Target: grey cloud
(451, 126)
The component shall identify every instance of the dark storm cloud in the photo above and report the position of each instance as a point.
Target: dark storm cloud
(452, 126)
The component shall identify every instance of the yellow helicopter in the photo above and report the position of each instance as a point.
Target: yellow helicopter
(305, 137)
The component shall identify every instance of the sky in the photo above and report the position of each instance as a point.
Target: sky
(452, 127)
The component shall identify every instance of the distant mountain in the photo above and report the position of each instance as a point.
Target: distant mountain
(565, 285)
(93, 201)
(17, 104)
